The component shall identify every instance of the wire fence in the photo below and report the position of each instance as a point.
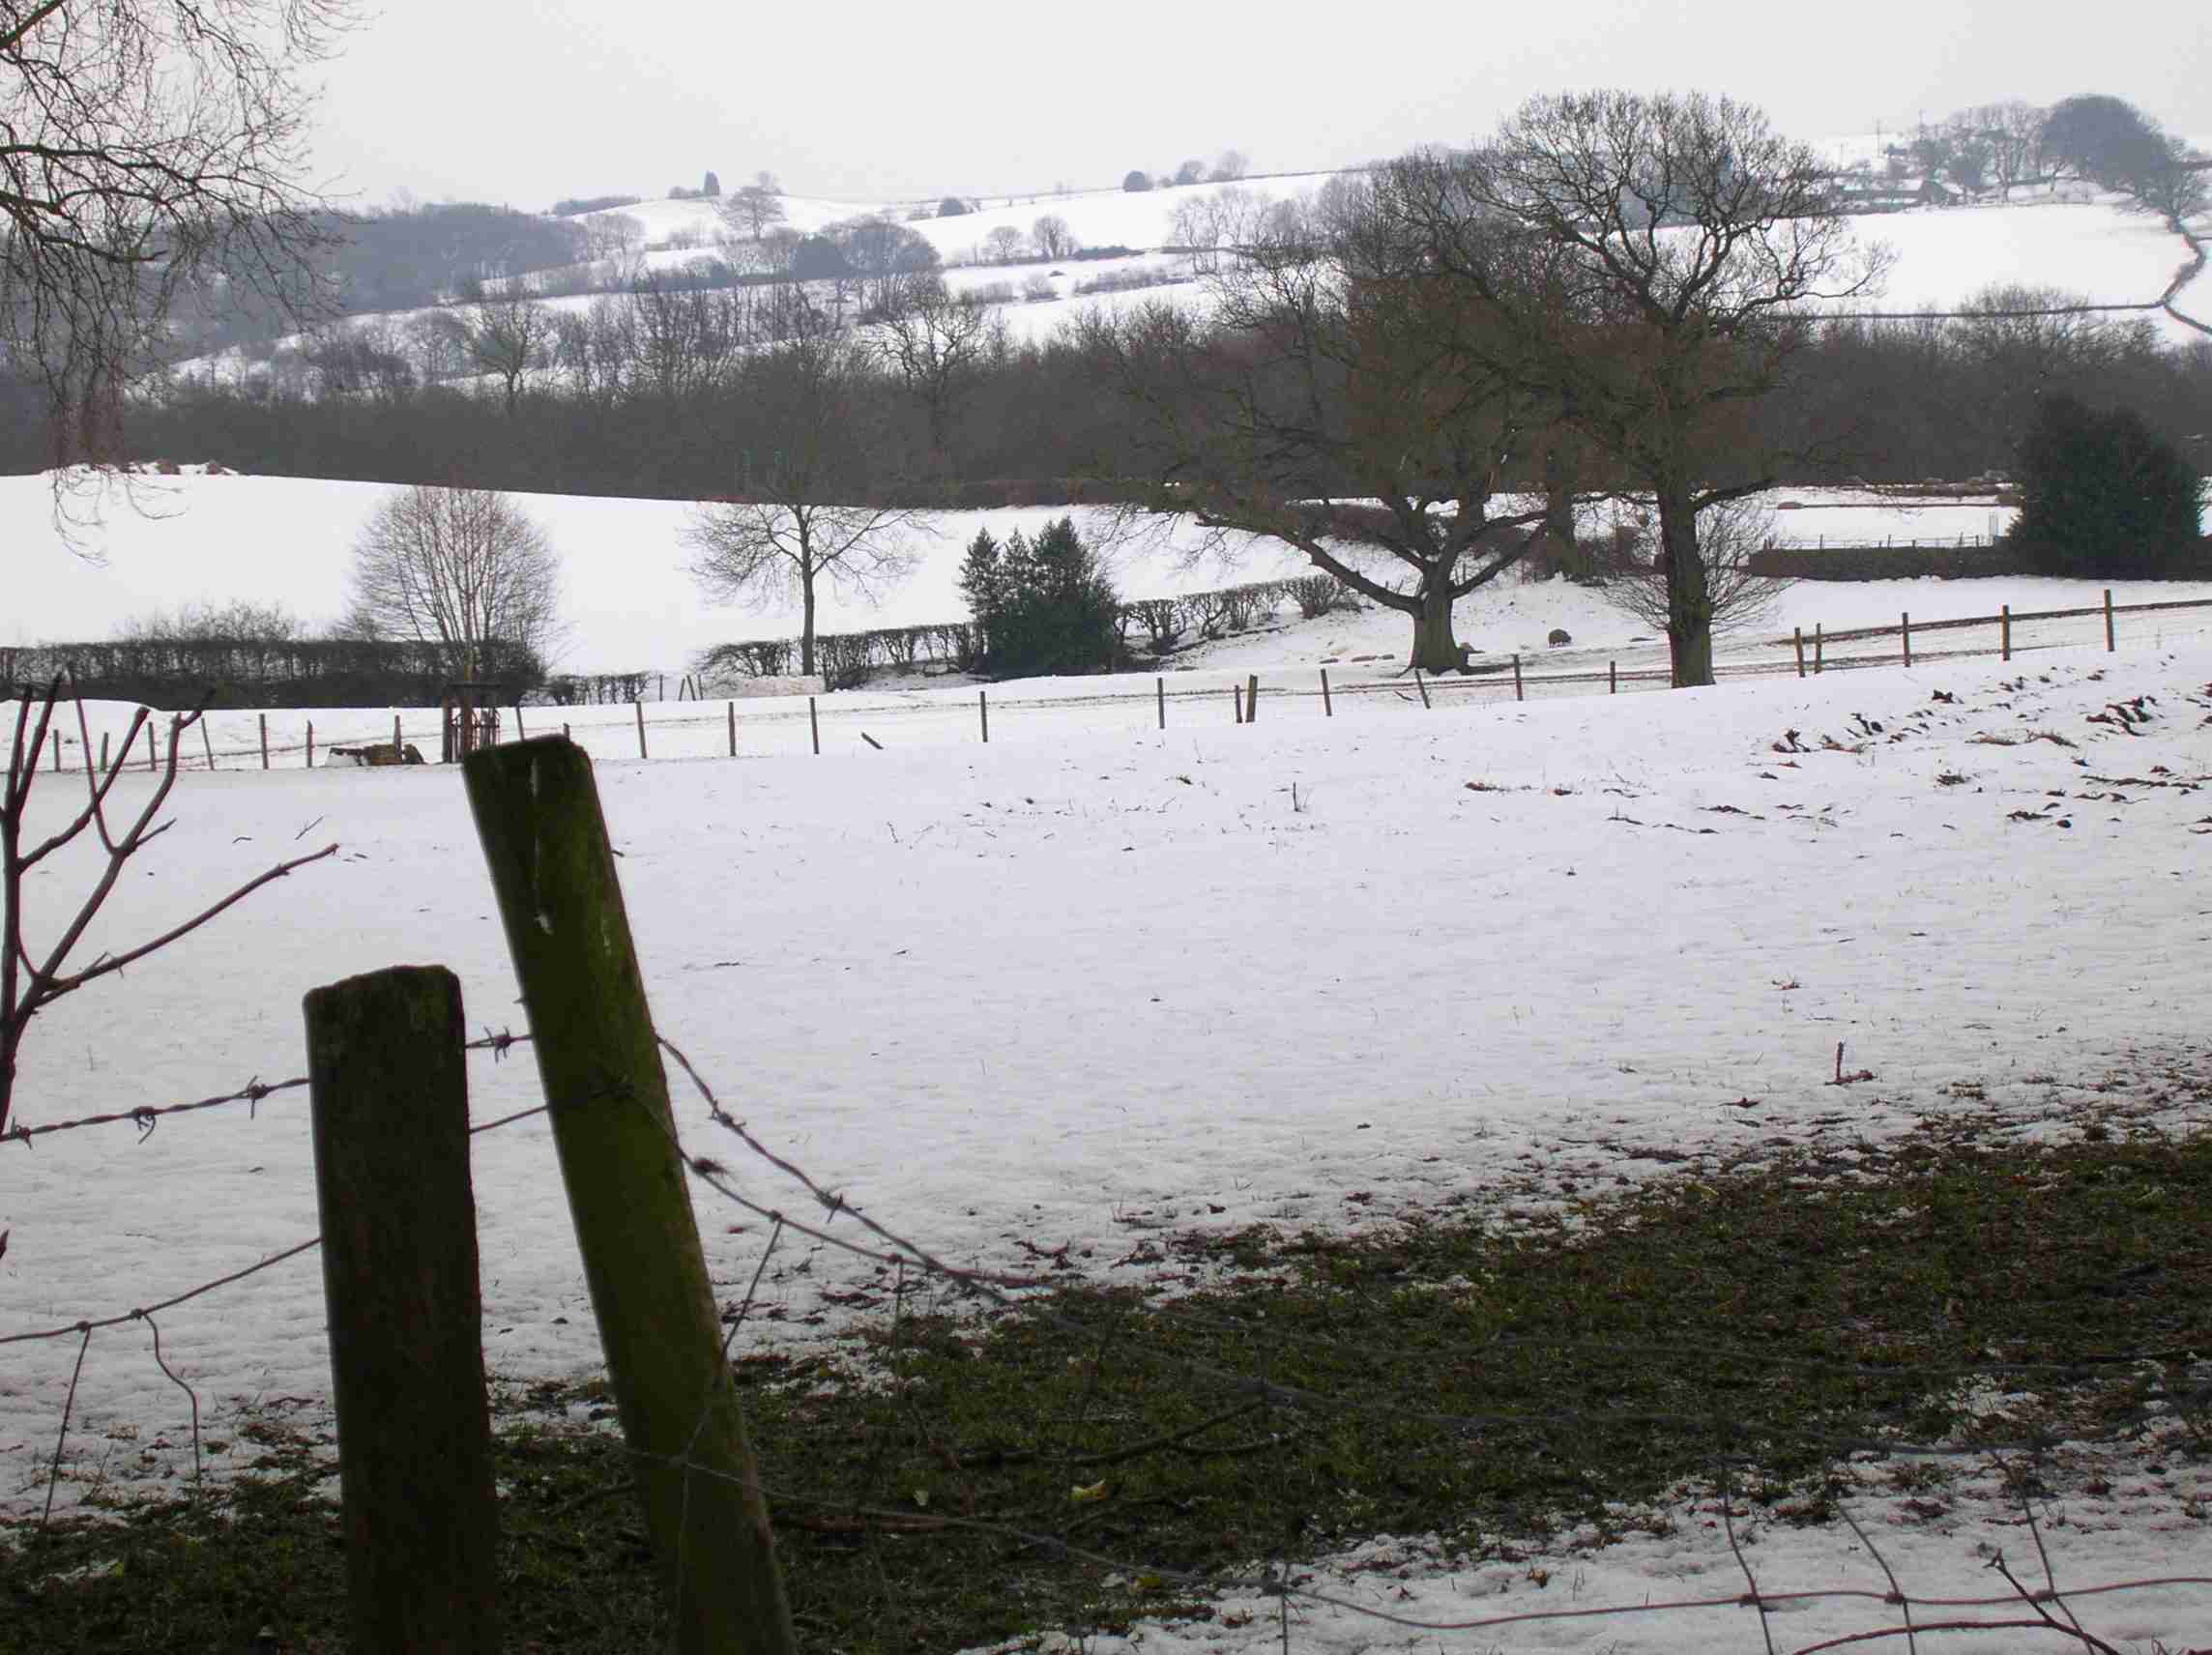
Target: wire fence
(1175, 701)
(1269, 1399)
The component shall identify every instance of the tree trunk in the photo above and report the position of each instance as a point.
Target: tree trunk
(1689, 598)
(1435, 649)
(1559, 505)
(807, 626)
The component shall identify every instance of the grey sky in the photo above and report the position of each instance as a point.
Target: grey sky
(495, 100)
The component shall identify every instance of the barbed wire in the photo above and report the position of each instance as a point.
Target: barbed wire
(146, 1117)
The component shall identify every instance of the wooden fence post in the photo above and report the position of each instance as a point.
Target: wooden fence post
(520, 734)
(1905, 628)
(1236, 701)
(640, 707)
(1820, 649)
(206, 745)
(1327, 706)
(814, 726)
(2004, 630)
(2109, 646)
(152, 757)
(1422, 684)
(732, 729)
(54, 748)
(1160, 692)
(983, 712)
(1517, 696)
(389, 1102)
(536, 811)
(1613, 678)
(1251, 698)
(398, 752)
(310, 744)
(104, 736)
(264, 741)
(1797, 637)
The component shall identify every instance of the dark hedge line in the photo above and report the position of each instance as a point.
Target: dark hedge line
(1154, 626)
(229, 674)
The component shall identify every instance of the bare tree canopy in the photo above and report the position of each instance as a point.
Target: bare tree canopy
(1730, 535)
(1683, 244)
(753, 207)
(146, 147)
(784, 531)
(1337, 372)
(939, 343)
(464, 569)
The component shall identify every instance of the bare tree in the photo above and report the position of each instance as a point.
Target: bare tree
(1337, 400)
(1218, 223)
(1005, 245)
(939, 342)
(146, 147)
(1190, 172)
(510, 336)
(1683, 244)
(1729, 535)
(785, 531)
(459, 568)
(753, 207)
(1229, 165)
(1053, 237)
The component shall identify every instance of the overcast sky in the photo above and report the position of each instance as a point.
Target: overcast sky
(492, 99)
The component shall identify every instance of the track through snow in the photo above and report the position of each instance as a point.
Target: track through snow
(1043, 991)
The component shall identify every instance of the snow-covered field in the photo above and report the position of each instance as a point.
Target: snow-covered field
(1013, 993)
(630, 605)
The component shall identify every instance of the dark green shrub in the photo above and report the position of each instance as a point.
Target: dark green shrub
(2102, 497)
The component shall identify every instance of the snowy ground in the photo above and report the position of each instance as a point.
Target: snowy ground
(1018, 992)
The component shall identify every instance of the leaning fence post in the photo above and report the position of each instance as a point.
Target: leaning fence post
(1820, 648)
(536, 811)
(2004, 630)
(207, 745)
(2108, 621)
(1517, 696)
(1251, 698)
(983, 712)
(640, 706)
(814, 726)
(1420, 683)
(389, 1102)
(1327, 706)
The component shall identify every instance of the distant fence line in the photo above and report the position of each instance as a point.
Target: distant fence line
(1810, 654)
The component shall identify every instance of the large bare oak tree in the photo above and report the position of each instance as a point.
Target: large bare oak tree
(463, 568)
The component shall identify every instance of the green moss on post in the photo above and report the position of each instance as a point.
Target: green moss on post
(536, 811)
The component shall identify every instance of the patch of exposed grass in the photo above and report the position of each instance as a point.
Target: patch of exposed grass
(1592, 1355)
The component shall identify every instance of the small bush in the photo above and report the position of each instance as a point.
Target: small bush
(1136, 180)
(1315, 595)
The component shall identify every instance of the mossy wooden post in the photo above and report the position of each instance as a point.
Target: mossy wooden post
(390, 1100)
(1327, 706)
(104, 736)
(536, 810)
